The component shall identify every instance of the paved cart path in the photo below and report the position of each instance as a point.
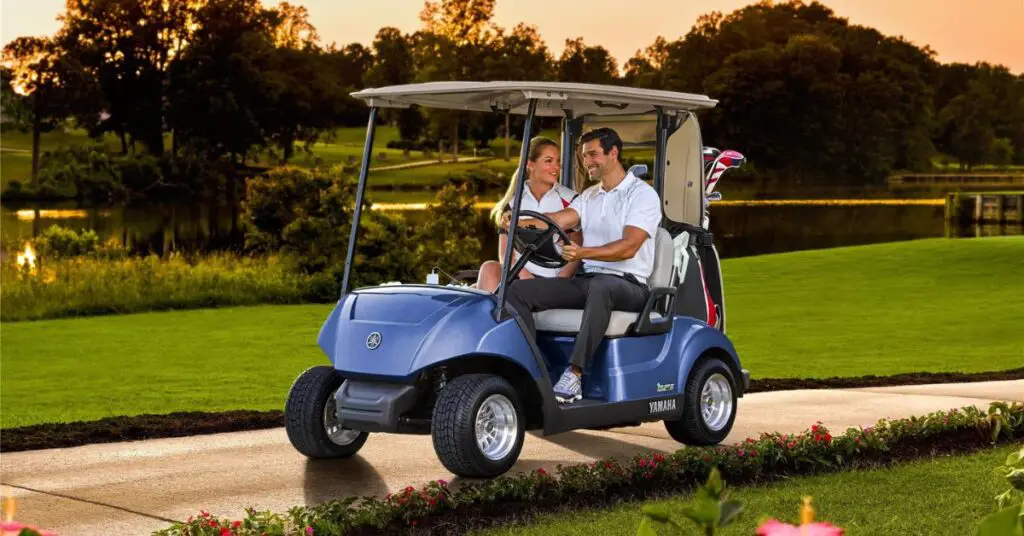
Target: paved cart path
(139, 487)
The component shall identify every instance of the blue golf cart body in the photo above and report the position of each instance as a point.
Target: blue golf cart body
(455, 362)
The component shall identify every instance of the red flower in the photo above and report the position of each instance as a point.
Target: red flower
(541, 471)
(432, 502)
(643, 463)
(236, 524)
(814, 429)
(442, 483)
(225, 532)
(409, 489)
(659, 457)
(828, 438)
(791, 444)
(753, 453)
(741, 453)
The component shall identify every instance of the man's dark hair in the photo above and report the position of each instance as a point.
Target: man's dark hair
(607, 137)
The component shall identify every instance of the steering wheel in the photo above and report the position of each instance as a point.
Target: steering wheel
(536, 244)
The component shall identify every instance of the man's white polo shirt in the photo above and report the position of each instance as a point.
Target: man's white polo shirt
(604, 216)
(557, 198)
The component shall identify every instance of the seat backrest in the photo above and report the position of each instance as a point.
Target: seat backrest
(661, 276)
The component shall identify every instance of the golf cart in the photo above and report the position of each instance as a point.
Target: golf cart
(454, 362)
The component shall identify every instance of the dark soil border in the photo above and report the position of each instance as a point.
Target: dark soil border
(183, 424)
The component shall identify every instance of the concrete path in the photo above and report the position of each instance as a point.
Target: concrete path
(139, 487)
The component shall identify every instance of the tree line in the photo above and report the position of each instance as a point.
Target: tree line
(804, 93)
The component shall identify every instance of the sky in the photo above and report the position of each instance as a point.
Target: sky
(958, 30)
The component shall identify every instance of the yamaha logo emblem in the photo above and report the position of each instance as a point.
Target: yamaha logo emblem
(373, 341)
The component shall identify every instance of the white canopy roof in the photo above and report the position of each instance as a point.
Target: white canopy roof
(552, 98)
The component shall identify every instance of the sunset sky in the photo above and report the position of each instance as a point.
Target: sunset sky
(958, 30)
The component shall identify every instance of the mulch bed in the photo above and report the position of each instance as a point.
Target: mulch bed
(113, 429)
(474, 518)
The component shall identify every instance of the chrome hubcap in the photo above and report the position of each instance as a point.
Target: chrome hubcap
(496, 427)
(338, 435)
(716, 402)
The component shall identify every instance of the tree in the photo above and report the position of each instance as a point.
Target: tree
(127, 47)
(394, 64)
(220, 93)
(585, 64)
(53, 83)
(456, 37)
(967, 125)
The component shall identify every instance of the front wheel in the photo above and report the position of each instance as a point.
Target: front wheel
(311, 418)
(478, 427)
(709, 405)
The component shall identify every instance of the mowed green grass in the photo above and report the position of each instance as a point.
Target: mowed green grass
(941, 496)
(928, 305)
(934, 305)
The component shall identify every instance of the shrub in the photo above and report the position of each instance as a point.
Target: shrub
(307, 215)
(89, 285)
(57, 241)
(755, 460)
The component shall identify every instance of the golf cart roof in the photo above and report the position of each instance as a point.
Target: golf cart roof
(553, 98)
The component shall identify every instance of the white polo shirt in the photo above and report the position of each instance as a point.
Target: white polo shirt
(604, 216)
(557, 198)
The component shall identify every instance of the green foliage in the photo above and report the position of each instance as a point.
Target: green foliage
(62, 286)
(57, 242)
(710, 511)
(1008, 520)
(771, 455)
(307, 215)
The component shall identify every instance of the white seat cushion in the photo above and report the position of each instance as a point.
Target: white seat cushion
(569, 321)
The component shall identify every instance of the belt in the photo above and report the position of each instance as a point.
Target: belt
(622, 275)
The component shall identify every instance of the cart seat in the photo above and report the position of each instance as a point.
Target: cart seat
(568, 321)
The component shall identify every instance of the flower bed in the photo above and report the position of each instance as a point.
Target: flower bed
(437, 508)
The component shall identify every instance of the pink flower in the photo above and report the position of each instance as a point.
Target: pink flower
(16, 527)
(442, 483)
(775, 528)
(309, 530)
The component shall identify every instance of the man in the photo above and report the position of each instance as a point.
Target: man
(619, 218)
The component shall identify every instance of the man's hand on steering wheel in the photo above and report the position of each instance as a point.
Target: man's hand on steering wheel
(572, 252)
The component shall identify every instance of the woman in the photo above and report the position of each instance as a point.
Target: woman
(541, 193)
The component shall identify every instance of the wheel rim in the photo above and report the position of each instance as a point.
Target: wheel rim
(716, 402)
(335, 432)
(497, 427)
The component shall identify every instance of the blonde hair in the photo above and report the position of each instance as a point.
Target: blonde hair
(536, 145)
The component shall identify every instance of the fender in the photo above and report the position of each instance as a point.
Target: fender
(695, 338)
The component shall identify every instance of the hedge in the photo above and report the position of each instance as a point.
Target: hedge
(437, 508)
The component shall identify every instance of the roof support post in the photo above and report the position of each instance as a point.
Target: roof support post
(659, 154)
(568, 152)
(371, 128)
(517, 197)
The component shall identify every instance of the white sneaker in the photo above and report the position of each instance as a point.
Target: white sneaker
(568, 389)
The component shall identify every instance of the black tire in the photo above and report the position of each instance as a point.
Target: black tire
(454, 426)
(692, 429)
(304, 415)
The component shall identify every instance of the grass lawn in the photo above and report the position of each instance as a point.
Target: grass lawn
(948, 495)
(929, 305)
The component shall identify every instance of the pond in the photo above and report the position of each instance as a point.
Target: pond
(741, 228)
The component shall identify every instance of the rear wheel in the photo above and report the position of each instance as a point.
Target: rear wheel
(709, 405)
(478, 426)
(311, 419)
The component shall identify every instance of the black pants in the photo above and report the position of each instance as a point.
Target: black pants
(597, 294)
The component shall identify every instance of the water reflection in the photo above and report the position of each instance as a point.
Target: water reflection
(741, 228)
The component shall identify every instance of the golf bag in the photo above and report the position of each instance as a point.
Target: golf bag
(697, 272)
